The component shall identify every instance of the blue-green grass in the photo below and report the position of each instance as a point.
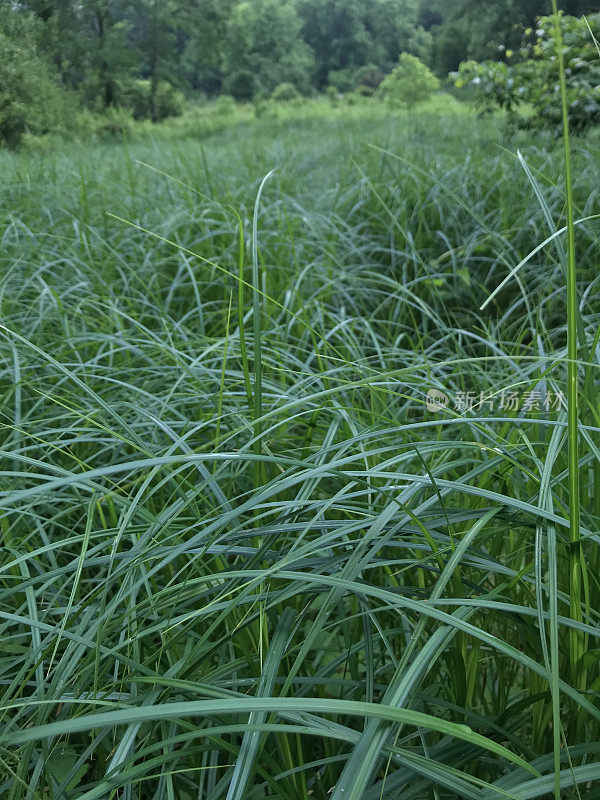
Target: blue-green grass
(241, 559)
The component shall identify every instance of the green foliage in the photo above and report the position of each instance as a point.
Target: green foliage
(532, 80)
(203, 43)
(169, 101)
(106, 55)
(409, 83)
(492, 82)
(475, 30)
(264, 48)
(103, 49)
(136, 96)
(154, 34)
(343, 80)
(365, 91)
(30, 101)
(111, 124)
(224, 105)
(582, 70)
(360, 79)
(348, 34)
(369, 75)
(285, 93)
(264, 107)
(114, 123)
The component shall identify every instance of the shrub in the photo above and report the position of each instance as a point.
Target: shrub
(533, 78)
(368, 77)
(351, 79)
(296, 67)
(136, 96)
(241, 84)
(365, 91)
(342, 79)
(111, 123)
(284, 93)
(224, 105)
(114, 123)
(492, 83)
(411, 82)
(169, 101)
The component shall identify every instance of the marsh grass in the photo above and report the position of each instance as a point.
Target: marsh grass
(241, 559)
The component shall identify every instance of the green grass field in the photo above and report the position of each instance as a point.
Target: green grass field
(242, 558)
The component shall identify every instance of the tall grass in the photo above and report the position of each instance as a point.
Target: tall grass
(241, 558)
(576, 559)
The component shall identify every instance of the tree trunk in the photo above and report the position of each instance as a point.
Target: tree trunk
(106, 82)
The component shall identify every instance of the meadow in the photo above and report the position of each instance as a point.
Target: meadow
(243, 556)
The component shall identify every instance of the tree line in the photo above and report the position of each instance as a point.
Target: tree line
(137, 53)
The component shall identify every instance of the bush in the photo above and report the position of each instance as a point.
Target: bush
(342, 79)
(368, 77)
(296, 67)
(169, 101)
(114, 123)
(241, 84)
(284, 93)
(533, 79)
(411, 82)
(365, 91)
(135, 96)
(491, 83)
(30, 101)
(224, 105)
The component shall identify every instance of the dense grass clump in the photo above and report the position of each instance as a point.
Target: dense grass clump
(242, 559)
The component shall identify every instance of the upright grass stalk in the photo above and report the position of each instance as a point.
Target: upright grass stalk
(241, 307)
(576, 639)
(257, 343)
(257, 411)
(223, 370)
